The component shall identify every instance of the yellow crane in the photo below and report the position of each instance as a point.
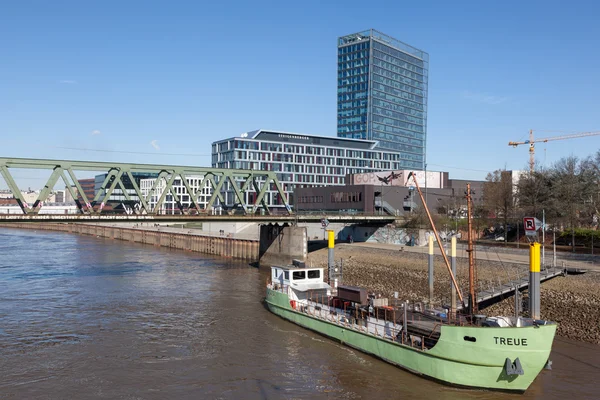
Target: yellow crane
(531, 142)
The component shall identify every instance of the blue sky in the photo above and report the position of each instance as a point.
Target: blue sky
(117, 75)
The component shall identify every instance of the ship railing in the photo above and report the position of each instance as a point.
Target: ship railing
(351, 317)
(278, 287)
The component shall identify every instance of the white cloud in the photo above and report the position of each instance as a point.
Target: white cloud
(484, 97)
(96, 132)
(154, 144)
(68, 82)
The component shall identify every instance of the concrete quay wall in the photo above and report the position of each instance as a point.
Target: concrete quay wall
(243, 249)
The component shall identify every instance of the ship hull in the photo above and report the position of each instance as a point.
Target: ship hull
(456, 359)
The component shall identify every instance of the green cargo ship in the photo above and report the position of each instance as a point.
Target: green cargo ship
(469, 350)
(501, 353)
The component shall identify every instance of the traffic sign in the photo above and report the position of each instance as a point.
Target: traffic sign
(324, 223)
(529, 224)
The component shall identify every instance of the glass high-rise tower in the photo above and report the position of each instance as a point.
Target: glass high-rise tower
(382, 94)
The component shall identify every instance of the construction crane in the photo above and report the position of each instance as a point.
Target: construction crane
(531, 142)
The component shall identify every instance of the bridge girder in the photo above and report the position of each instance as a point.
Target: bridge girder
(239, 180)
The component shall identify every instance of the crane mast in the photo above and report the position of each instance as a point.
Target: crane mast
(531, 142)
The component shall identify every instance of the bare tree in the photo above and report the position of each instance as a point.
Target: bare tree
(498, 196)
(591, 176)
(536, 192)
(573, 188)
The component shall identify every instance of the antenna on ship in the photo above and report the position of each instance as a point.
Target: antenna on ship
(470, 251)
(437, 236)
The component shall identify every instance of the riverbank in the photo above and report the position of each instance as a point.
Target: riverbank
(572, 301)
(156, 235)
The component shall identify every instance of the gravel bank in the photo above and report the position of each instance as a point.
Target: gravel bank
(573, 301)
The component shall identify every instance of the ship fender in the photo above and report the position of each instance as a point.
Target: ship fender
(513, 368)
(293, 304)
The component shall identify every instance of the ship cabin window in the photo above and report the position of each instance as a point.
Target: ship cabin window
(286, 275)
(314, 274)
(299, 275)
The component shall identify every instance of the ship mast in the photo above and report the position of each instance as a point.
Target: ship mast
(437, 236)
(470, 251)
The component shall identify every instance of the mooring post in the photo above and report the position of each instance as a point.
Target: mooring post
(534, 280)
(330, 259)
(452, 288)
(430, 269)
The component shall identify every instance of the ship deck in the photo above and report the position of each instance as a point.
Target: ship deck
(421, 331)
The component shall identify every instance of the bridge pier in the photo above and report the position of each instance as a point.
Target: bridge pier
(280, 244)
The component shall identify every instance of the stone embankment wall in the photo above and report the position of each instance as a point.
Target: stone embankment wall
(243, 249)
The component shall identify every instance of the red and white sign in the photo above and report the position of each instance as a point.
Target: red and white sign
(529, 224)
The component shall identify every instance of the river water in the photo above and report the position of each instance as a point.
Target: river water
(90, 318)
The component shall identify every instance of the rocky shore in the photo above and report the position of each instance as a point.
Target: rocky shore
(572, 301)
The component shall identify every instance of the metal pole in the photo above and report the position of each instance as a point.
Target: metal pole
(518, 241)
(517, 302)
(430, 269)
(425, 182)
(452, 288)
(472, 282)
(330, 259)
(405, 323)
(554, 247)
(534, 280)
(543, 238)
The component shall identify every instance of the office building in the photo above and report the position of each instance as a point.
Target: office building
(300, 160)
(368, 193)
(59, 196)
(88, 186)
(117, 198)
(382, 94)
(170, 206)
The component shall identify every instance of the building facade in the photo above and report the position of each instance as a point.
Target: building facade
(170, 205)
(88, 187)
(300, 160)
(388, 199)
(117, 198)
(429, 179)
(369, 199)
(382, 94)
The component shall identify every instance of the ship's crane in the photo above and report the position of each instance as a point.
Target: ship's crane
(531, 142)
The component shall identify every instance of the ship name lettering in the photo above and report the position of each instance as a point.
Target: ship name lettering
(510, 341)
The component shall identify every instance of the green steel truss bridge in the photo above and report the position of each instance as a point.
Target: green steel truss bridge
(240, 181)
(120, 175)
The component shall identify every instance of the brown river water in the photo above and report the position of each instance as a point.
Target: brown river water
(89, 318)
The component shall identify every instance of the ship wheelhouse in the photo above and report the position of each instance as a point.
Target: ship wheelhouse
(301, 283)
